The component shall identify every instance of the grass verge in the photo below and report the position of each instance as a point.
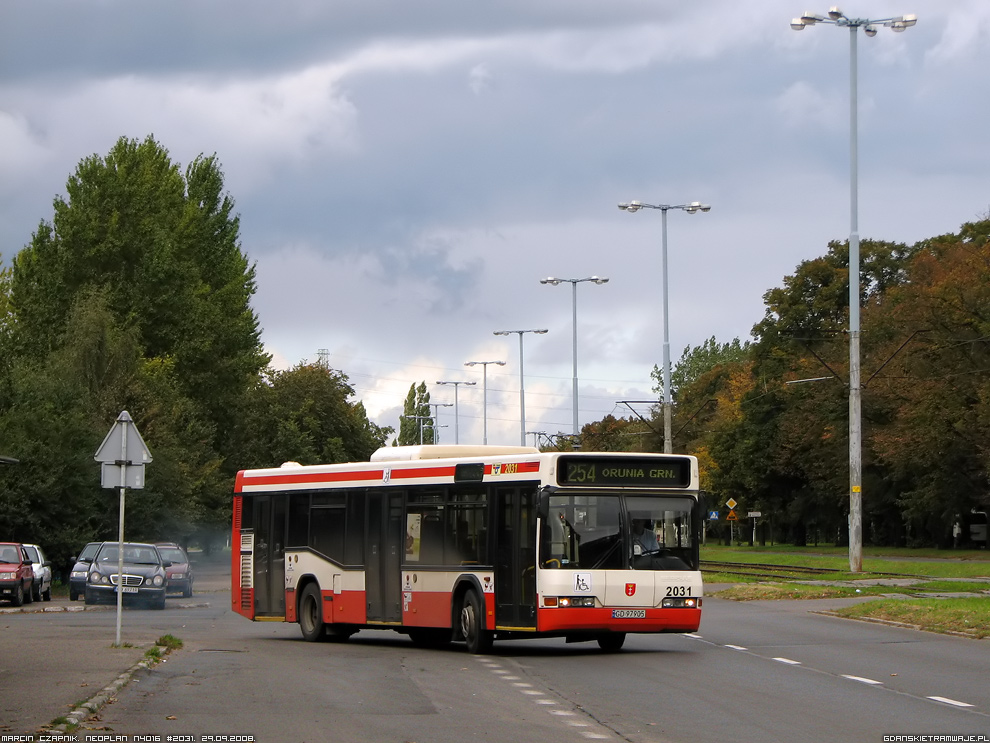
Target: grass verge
(962, 608)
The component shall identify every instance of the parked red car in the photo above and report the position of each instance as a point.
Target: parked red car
(16, 574)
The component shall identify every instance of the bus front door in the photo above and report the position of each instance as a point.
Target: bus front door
(268, 519)
(384, 547)
(515, 557)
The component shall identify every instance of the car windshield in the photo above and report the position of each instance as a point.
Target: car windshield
(133, 554)
(9, 554)
(172, 554)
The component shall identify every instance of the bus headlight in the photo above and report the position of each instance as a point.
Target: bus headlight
(681, 603)
(574, 602)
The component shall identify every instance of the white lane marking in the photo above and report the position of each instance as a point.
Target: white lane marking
(509, 678)
(788, 661)
(521, 684)
(861, 679)
(953, 702)
(562, 712)
(545, 701)
(532, 692)
(597, 736)
(693, 636)
(735, 647)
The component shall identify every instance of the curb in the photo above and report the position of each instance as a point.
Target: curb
(94, 704)
(901, 625)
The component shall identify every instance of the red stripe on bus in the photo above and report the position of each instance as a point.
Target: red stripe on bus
(406, 473)
(306, 477)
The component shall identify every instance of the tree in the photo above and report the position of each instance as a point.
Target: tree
(165, 249)
(135, 296)
(416, 423)
(62, 406)
(305, 415)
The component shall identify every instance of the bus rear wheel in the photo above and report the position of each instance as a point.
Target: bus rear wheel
(311, 614)
(478, 639)
(611, 642)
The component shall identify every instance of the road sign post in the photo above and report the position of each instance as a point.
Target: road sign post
(122, 457)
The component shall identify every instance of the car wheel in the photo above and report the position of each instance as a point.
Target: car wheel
(187, 593)
(47, 595)
(159, 603)
(89, 598)
(18, 598)
(73, 594)
(29, 594)
(35, 592)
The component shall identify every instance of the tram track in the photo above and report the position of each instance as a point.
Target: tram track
(766, 570)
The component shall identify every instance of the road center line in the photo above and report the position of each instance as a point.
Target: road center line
(953, 702)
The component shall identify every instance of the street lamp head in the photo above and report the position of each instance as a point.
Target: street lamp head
(541, 331)
(870, 30)
(798, 24)
(632, 206)
(551, 280)
(834, 13)
(501, 332)
(696, 206)
(599, 279)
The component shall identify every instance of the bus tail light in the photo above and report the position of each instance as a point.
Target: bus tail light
(681, 603)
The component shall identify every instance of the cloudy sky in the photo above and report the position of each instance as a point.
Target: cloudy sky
(407, 172)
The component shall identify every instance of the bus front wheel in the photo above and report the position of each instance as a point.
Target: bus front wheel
(611, 642)
(478, 639)
(311, 614)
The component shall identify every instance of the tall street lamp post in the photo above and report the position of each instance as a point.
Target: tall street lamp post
(436, 418)
(574, 282)
(522, 394)
(484, 377)
(457, 433)
(835, 17)
(693, 208)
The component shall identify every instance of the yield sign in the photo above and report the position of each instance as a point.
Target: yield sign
(123, 445)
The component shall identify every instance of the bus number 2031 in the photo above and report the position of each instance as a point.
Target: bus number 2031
(678, 590)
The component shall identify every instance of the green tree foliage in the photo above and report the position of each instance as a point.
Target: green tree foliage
(136, 297)
(305, 415)
(416, 423)
(164, 247)
(58, 417)
(615, 434)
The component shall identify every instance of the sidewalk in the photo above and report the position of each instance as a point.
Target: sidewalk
(57, 662)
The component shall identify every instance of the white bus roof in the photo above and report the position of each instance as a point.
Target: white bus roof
(444, 451)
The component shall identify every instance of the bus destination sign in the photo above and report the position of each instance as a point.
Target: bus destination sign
(670, 472)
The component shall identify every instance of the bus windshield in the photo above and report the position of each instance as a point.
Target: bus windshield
(593, 532)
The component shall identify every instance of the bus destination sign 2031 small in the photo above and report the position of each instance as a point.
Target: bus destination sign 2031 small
(668, 472)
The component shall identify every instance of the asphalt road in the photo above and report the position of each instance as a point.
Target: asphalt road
(756, 671)
(56, 655)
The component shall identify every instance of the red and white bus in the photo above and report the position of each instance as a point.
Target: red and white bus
(472, 544)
